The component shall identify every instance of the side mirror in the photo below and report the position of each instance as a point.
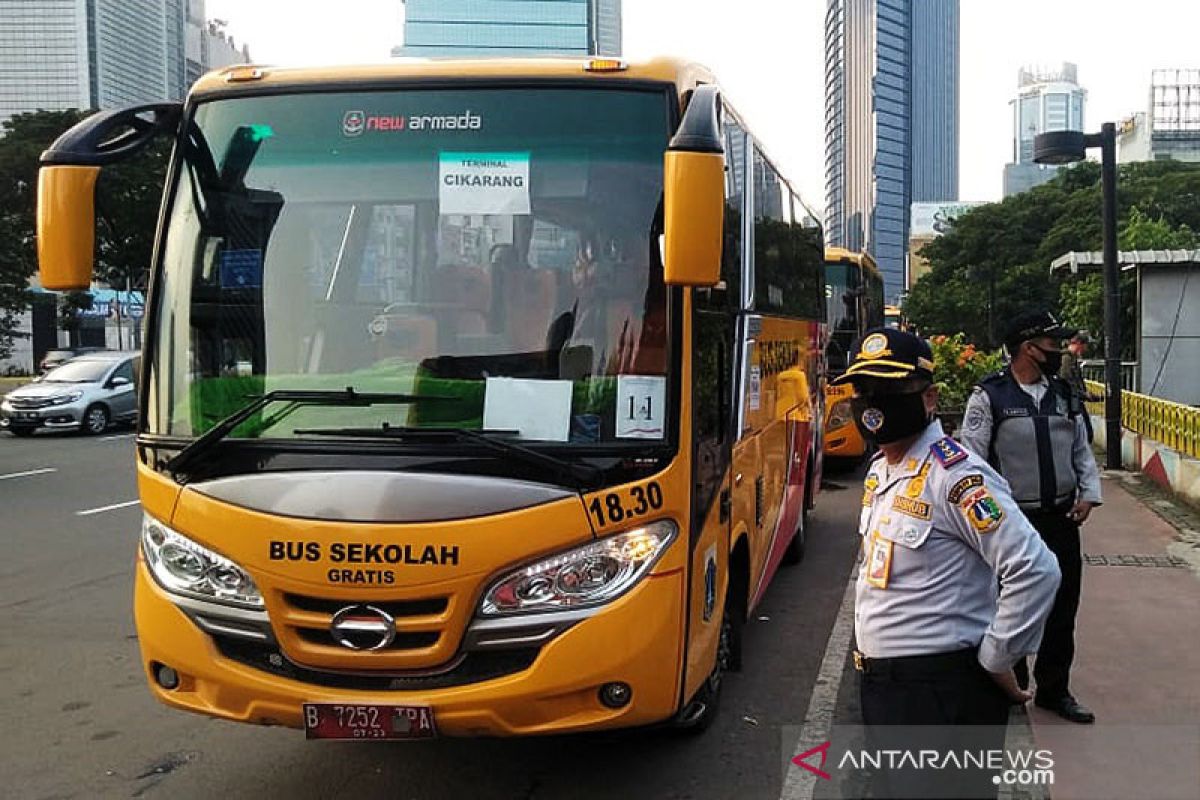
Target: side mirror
(118, 382)
(66, 226)
(694, 195)
(66, 219)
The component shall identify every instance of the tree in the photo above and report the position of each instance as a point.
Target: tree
(1009, 245)
(127, 200)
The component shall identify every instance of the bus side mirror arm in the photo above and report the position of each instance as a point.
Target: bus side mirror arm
(66, 219)
(694, 194)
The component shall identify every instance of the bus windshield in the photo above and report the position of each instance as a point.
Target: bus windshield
(843, 292)
(494, 249)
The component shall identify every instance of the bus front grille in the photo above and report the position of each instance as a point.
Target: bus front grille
(470, 668)
(427, 631)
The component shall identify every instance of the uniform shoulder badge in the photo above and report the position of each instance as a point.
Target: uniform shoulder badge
(948, 452)
(964, 485)
(982, 511)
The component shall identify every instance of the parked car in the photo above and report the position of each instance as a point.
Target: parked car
(88, 393)
(62, 355)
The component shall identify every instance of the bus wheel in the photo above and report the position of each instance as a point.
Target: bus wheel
(698, 714)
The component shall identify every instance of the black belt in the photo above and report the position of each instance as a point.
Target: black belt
(903, 666)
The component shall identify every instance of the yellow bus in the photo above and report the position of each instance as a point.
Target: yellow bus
(854, 304)
(479, 397)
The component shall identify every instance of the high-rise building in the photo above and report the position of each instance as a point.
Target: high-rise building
(207, 46)
(1170, 129)
(62, 54)
(1048, 99)
(511, 27)
(891, 122)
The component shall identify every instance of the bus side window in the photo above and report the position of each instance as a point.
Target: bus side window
(808, 252)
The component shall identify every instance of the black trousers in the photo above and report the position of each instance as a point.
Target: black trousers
(1052, 669)
(907, 707)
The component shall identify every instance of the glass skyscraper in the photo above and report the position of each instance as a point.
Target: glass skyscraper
(511, 27)
(891, 122)
(1047, 100)
(61, 54)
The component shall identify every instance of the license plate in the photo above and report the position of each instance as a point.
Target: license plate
(367, 721)
(27, 415)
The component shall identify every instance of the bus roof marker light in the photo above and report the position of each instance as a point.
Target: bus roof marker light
(244, 73)
(605, 65)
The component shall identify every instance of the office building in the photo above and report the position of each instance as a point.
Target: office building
(208, 47)
(511, 28)
(928, 221)
(891, 122)
(1048, 99)
(64, 54)
(1169, 130)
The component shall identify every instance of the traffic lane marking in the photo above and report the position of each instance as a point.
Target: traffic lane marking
(799, 784)
(28, 472)
(100, 510)
(116, 436)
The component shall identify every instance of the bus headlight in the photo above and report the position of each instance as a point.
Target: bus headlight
(840, 415)
(185, 567)
(584, 576)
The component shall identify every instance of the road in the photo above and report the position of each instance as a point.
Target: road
(79, 721)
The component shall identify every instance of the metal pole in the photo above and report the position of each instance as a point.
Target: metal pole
(1112, 299)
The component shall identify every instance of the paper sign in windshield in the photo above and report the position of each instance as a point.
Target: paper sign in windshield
(538, 410)
(483, 183)
(641, 406)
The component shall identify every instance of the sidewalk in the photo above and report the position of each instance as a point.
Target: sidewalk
(1137, 659)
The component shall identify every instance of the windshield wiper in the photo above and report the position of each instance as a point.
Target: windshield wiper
(345, 397)
(582, 476)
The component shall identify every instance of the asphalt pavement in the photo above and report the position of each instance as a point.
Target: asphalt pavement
(79, 721)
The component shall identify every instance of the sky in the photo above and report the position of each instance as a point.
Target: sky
(769, 58)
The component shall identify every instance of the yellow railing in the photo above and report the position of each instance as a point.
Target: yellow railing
(1174, 424)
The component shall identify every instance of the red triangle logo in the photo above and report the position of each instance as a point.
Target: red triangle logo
(801, 760)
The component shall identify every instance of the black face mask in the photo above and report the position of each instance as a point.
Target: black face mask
(1052, 363)
(888, 418)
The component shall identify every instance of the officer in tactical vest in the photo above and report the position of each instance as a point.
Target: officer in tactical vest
(1029, 425)
(955, 584)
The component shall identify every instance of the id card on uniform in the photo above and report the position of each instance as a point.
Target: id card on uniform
(879, 561)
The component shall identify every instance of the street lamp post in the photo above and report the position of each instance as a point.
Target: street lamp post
(1065, 147)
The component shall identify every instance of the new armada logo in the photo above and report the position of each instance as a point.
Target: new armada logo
(354, 123)
(363, 627)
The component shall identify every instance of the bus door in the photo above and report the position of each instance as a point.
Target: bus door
(752, 487)
(713, 365)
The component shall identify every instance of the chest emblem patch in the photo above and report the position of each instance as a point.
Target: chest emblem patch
(912, 507)
(869, 487)
(917, 485)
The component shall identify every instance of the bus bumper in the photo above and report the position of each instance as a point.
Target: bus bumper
(636, 640)
(845, 442)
